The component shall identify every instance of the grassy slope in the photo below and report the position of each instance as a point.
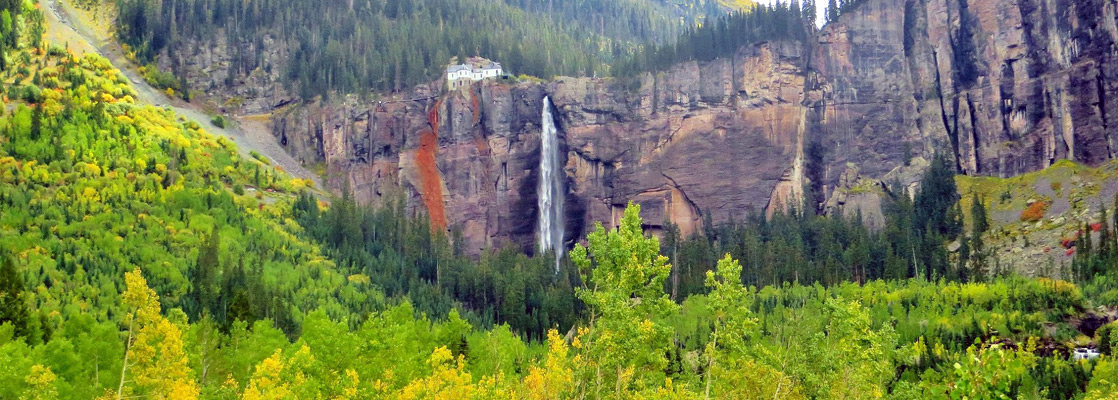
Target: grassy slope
(1074, 194)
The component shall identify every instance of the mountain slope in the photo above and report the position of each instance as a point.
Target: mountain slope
(312, 48)
(95, 185)
(101, 195)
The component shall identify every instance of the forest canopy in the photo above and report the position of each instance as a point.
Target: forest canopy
(141, 256)
(392, 45)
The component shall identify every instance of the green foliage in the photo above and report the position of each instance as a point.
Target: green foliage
(347, 46)
(1104, 382)
(13, 307)
(1096, 255)
(93, 185)
(723, 37)
(11, 22)
(993, 371)
(281, 296)
(734, 327)
(625, 275)
(835, 8)
(402, 256)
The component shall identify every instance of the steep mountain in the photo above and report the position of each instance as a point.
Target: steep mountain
(266, 52)
(1007, 87)
(142, 256)
(94, 184)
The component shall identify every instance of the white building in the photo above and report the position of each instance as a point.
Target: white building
(463, 75)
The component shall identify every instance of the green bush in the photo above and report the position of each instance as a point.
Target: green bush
(260, 157)
(218, 121)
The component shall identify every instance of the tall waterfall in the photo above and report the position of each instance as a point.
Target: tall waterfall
(551, 191)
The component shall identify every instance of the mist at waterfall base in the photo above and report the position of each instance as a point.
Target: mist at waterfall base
(551, 190)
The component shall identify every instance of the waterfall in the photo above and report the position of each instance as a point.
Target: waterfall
(551, 191)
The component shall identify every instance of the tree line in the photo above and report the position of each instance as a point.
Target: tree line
(723, 36)
(143, 257)
(404, 258)
(391, 45)
(806, 247)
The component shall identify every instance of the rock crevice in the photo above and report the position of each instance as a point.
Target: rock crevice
(1005, 86)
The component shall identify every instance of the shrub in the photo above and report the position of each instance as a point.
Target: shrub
(1005, 197)
(1035, 212)
(218, 121)
(160, 79)
(260, 157)
(55, 50)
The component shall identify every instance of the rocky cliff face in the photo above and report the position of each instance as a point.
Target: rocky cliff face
(1008, 86)
(717, 138)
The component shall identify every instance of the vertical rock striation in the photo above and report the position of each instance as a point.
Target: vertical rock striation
(1007, 86)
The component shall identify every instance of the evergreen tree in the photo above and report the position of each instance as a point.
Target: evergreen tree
(981, 223)
(935, 204)
(204, 276)
(13, 308)
(1105, 251)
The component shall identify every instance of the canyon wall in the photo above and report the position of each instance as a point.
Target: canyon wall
(716, 138)
(1007, 86)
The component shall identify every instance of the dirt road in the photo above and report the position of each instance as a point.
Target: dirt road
(66, 26)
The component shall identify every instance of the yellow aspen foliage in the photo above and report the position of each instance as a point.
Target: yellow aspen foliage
(450, 381)
(284, 378)
(155, 362)
(40, 384)
(555, 378)
(748, 379)
(670, 391)
(90, 195)
(267, 382)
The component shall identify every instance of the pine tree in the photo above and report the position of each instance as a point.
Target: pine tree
(810, 13)
(36, 122)
(1105, 251)
(979, 216)
(13, 309)
(980, 224)
(937, 198)
(1114, 237)
(204, 276)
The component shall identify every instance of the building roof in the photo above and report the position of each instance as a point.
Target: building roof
(459, 67)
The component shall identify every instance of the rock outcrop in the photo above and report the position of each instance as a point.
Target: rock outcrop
(1007, 86)
(717, 138)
